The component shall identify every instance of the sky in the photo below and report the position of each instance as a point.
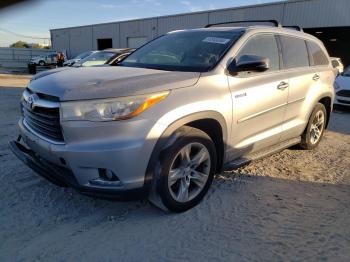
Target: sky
(36, 18)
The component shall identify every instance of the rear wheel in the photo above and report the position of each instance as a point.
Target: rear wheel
(41, 63)
(187, 169)
(313, 133)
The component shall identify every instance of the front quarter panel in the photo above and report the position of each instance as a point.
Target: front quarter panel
(209, 98)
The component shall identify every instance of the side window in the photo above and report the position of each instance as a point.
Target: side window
(294, 52)
(262, 45)
(317, 56)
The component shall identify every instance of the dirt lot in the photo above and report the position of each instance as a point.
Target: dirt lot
(292, 206)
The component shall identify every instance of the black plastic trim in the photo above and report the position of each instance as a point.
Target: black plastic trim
(274, 22)
(295, 27)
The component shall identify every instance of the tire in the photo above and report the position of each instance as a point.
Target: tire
(176, 172)
(41, 63)
(314, 131)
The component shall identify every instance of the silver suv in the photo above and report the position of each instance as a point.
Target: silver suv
(181, 108)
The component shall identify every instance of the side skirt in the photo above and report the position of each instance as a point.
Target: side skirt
(239, 162)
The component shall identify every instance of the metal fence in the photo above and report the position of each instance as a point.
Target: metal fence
(19, 57)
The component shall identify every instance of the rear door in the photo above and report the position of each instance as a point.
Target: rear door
(259, 99)
(302, 79)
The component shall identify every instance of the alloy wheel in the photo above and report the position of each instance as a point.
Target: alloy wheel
(189, 172)
(317, 127)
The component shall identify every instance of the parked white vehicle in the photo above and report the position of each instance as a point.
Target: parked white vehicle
(338, 64)
(48, 59)
(342, 88)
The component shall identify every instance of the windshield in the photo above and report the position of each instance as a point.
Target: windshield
(83, 55)
(194, 51)
(346, 72)
(97, 58)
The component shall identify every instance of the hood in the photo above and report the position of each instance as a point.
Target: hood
(106, 82)
(343, 82)
(49, 72)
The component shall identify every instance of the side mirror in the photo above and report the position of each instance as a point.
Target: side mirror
(248, 63)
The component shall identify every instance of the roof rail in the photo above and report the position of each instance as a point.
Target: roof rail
(274, 22)
(295, 27)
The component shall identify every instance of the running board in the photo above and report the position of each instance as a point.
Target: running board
(239, 162)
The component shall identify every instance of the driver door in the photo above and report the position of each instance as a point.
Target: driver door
(259, 98)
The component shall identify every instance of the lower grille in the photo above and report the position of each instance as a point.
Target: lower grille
(344, 93)
(344, 102)
(44, 121)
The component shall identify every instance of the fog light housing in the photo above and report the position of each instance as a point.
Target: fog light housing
(106, 178)
(107, 174)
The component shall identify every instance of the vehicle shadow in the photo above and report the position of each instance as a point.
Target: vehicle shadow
(340, 120)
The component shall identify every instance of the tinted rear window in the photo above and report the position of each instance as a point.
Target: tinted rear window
(317, 56)
(294, 52)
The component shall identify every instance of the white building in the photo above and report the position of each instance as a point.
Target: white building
(329, 20)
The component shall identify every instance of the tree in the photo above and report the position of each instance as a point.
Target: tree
(20, 44)
(38, 46)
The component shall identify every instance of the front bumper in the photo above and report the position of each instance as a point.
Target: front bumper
(341, 100)
(342, 97)
(64, 177)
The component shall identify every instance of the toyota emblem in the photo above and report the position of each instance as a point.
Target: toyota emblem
(31, 100)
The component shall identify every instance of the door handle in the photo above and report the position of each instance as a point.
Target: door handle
(316, 77)
(282, 86)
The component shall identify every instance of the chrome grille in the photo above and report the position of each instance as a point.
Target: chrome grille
(42, 117)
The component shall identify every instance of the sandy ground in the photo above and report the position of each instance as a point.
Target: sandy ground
(11, 80)
(292, 206)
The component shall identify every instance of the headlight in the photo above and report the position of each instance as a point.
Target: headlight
(336, 86)
(109, 109)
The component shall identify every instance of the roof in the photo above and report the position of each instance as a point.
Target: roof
(211, 29)
(260, 28)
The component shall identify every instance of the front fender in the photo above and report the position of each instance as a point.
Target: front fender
(167, 132)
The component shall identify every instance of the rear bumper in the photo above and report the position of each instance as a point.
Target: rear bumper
(64, 177)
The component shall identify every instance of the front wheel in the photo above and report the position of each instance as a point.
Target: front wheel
(187, 170)
(315, 129)
(41, 63)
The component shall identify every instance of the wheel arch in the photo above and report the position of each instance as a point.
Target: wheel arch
(327, 102)
(210, 122)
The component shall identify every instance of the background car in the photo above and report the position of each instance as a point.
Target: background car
(49, 59)
(338, 64)
(342, 88)
(97, 58)
(79, 57)
(103, 57)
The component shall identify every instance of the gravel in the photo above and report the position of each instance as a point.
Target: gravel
(291, 206)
